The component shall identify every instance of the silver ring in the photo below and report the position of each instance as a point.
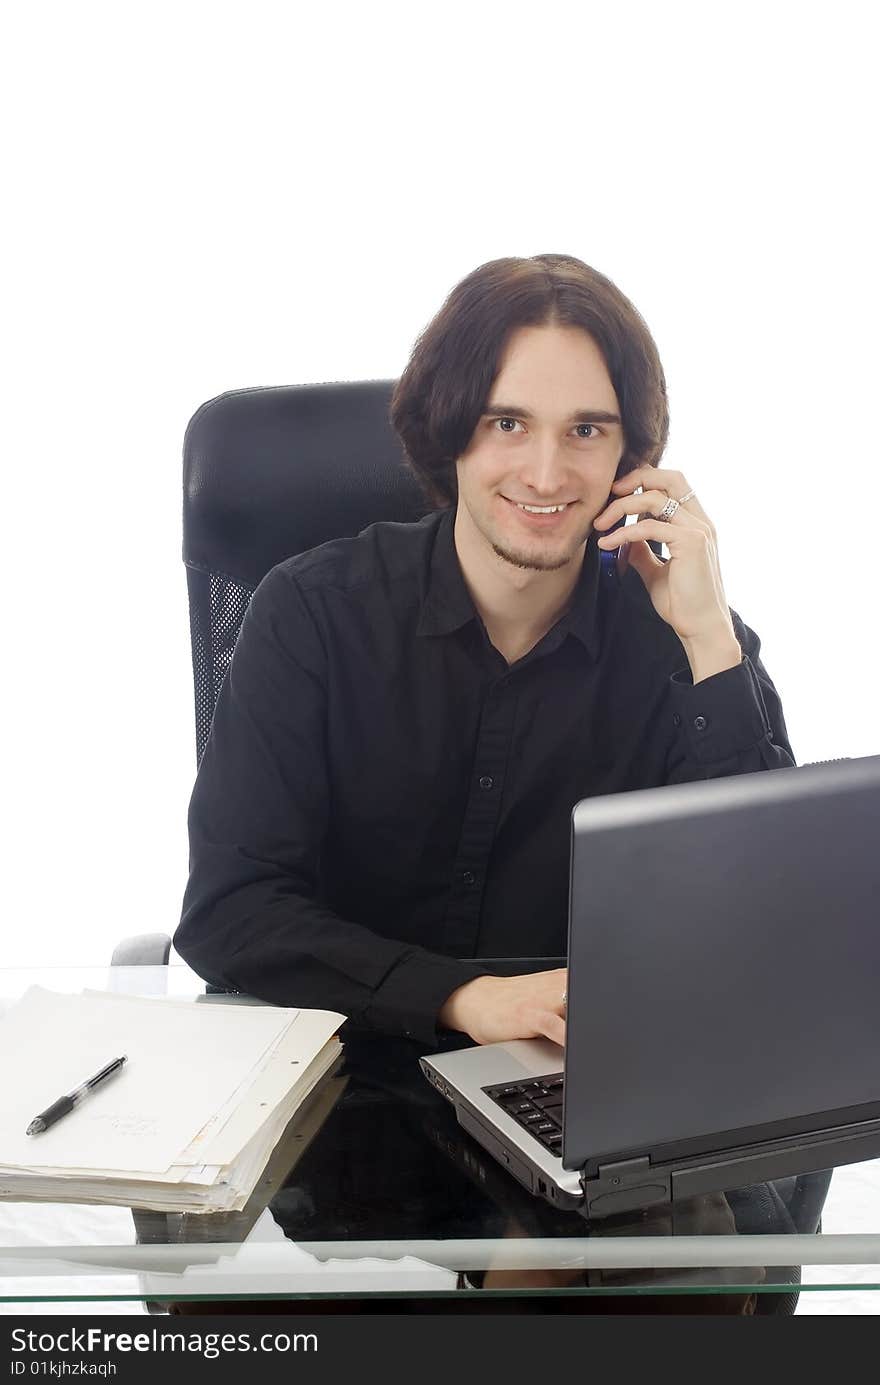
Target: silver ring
(668, 510)
(565, 1000)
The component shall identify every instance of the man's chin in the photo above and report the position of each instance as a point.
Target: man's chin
(537, 560)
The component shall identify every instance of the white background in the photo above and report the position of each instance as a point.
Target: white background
(204, 197)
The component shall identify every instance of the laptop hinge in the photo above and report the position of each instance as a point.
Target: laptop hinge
(624, 1186)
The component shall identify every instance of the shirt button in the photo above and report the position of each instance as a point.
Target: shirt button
(468, 877)
(700, 723)
(486, 782)
(676, 719)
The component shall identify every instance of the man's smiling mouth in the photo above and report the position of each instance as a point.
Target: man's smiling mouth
(541, 509)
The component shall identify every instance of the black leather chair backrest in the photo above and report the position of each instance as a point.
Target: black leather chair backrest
(268, 473)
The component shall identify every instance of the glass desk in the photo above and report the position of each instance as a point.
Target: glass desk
(375, 1200)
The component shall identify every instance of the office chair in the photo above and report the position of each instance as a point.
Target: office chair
(269, 473)
(272, 472)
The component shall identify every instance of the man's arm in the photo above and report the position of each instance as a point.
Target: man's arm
(728, 723)
(257, 818)
(724, 707)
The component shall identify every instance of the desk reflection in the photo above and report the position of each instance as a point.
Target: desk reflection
(387, 1161)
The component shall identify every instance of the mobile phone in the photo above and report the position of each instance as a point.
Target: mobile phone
(615, 561)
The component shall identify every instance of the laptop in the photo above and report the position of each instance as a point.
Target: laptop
(723, 1026)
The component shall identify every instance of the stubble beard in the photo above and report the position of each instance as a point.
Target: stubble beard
(532, 562)
(537, 561)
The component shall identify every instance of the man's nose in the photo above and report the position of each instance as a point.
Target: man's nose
(544, 469)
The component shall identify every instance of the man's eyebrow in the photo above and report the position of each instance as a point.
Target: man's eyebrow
(580, 415)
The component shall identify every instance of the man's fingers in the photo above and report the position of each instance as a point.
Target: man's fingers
(646, 564)
(670, 483)
(552, 1027)
(678, 538)
(644, 503)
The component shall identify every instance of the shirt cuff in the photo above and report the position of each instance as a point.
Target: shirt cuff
(411, 995)
(722, 716)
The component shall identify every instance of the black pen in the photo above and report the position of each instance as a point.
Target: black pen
(67, 1103)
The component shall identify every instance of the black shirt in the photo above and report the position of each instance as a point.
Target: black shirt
(383, 797)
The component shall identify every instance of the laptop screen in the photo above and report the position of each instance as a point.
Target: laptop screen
(723, 956)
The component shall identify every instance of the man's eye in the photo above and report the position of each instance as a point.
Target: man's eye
(592, 430)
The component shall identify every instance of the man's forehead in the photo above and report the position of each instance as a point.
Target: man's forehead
(556, 371)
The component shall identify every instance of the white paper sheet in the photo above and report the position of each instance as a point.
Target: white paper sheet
(183, 1062)
(286, 1066)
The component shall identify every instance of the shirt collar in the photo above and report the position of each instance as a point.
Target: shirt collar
(448, 606)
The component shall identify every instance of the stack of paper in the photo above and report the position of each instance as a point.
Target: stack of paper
(189, 1122)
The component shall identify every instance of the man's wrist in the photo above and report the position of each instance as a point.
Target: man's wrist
(712, 655)
(449, 1015)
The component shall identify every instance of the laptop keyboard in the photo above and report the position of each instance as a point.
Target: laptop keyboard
(536, 1105)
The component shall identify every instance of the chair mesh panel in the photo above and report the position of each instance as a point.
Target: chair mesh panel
(217, 604)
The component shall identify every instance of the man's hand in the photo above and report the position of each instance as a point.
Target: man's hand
(687, 591)
(492, 1009)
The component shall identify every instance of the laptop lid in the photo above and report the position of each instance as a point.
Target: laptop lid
(723, 962)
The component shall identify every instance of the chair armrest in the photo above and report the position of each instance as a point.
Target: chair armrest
(142, 950)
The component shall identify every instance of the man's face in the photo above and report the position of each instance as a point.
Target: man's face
(550, 435)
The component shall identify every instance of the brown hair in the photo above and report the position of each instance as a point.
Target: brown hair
(443, 391)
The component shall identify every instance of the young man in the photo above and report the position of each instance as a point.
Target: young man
(410, 715)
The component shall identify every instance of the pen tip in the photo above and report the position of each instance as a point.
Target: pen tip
(36, 1127)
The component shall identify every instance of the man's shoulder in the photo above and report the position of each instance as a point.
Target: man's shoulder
(387, 550)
